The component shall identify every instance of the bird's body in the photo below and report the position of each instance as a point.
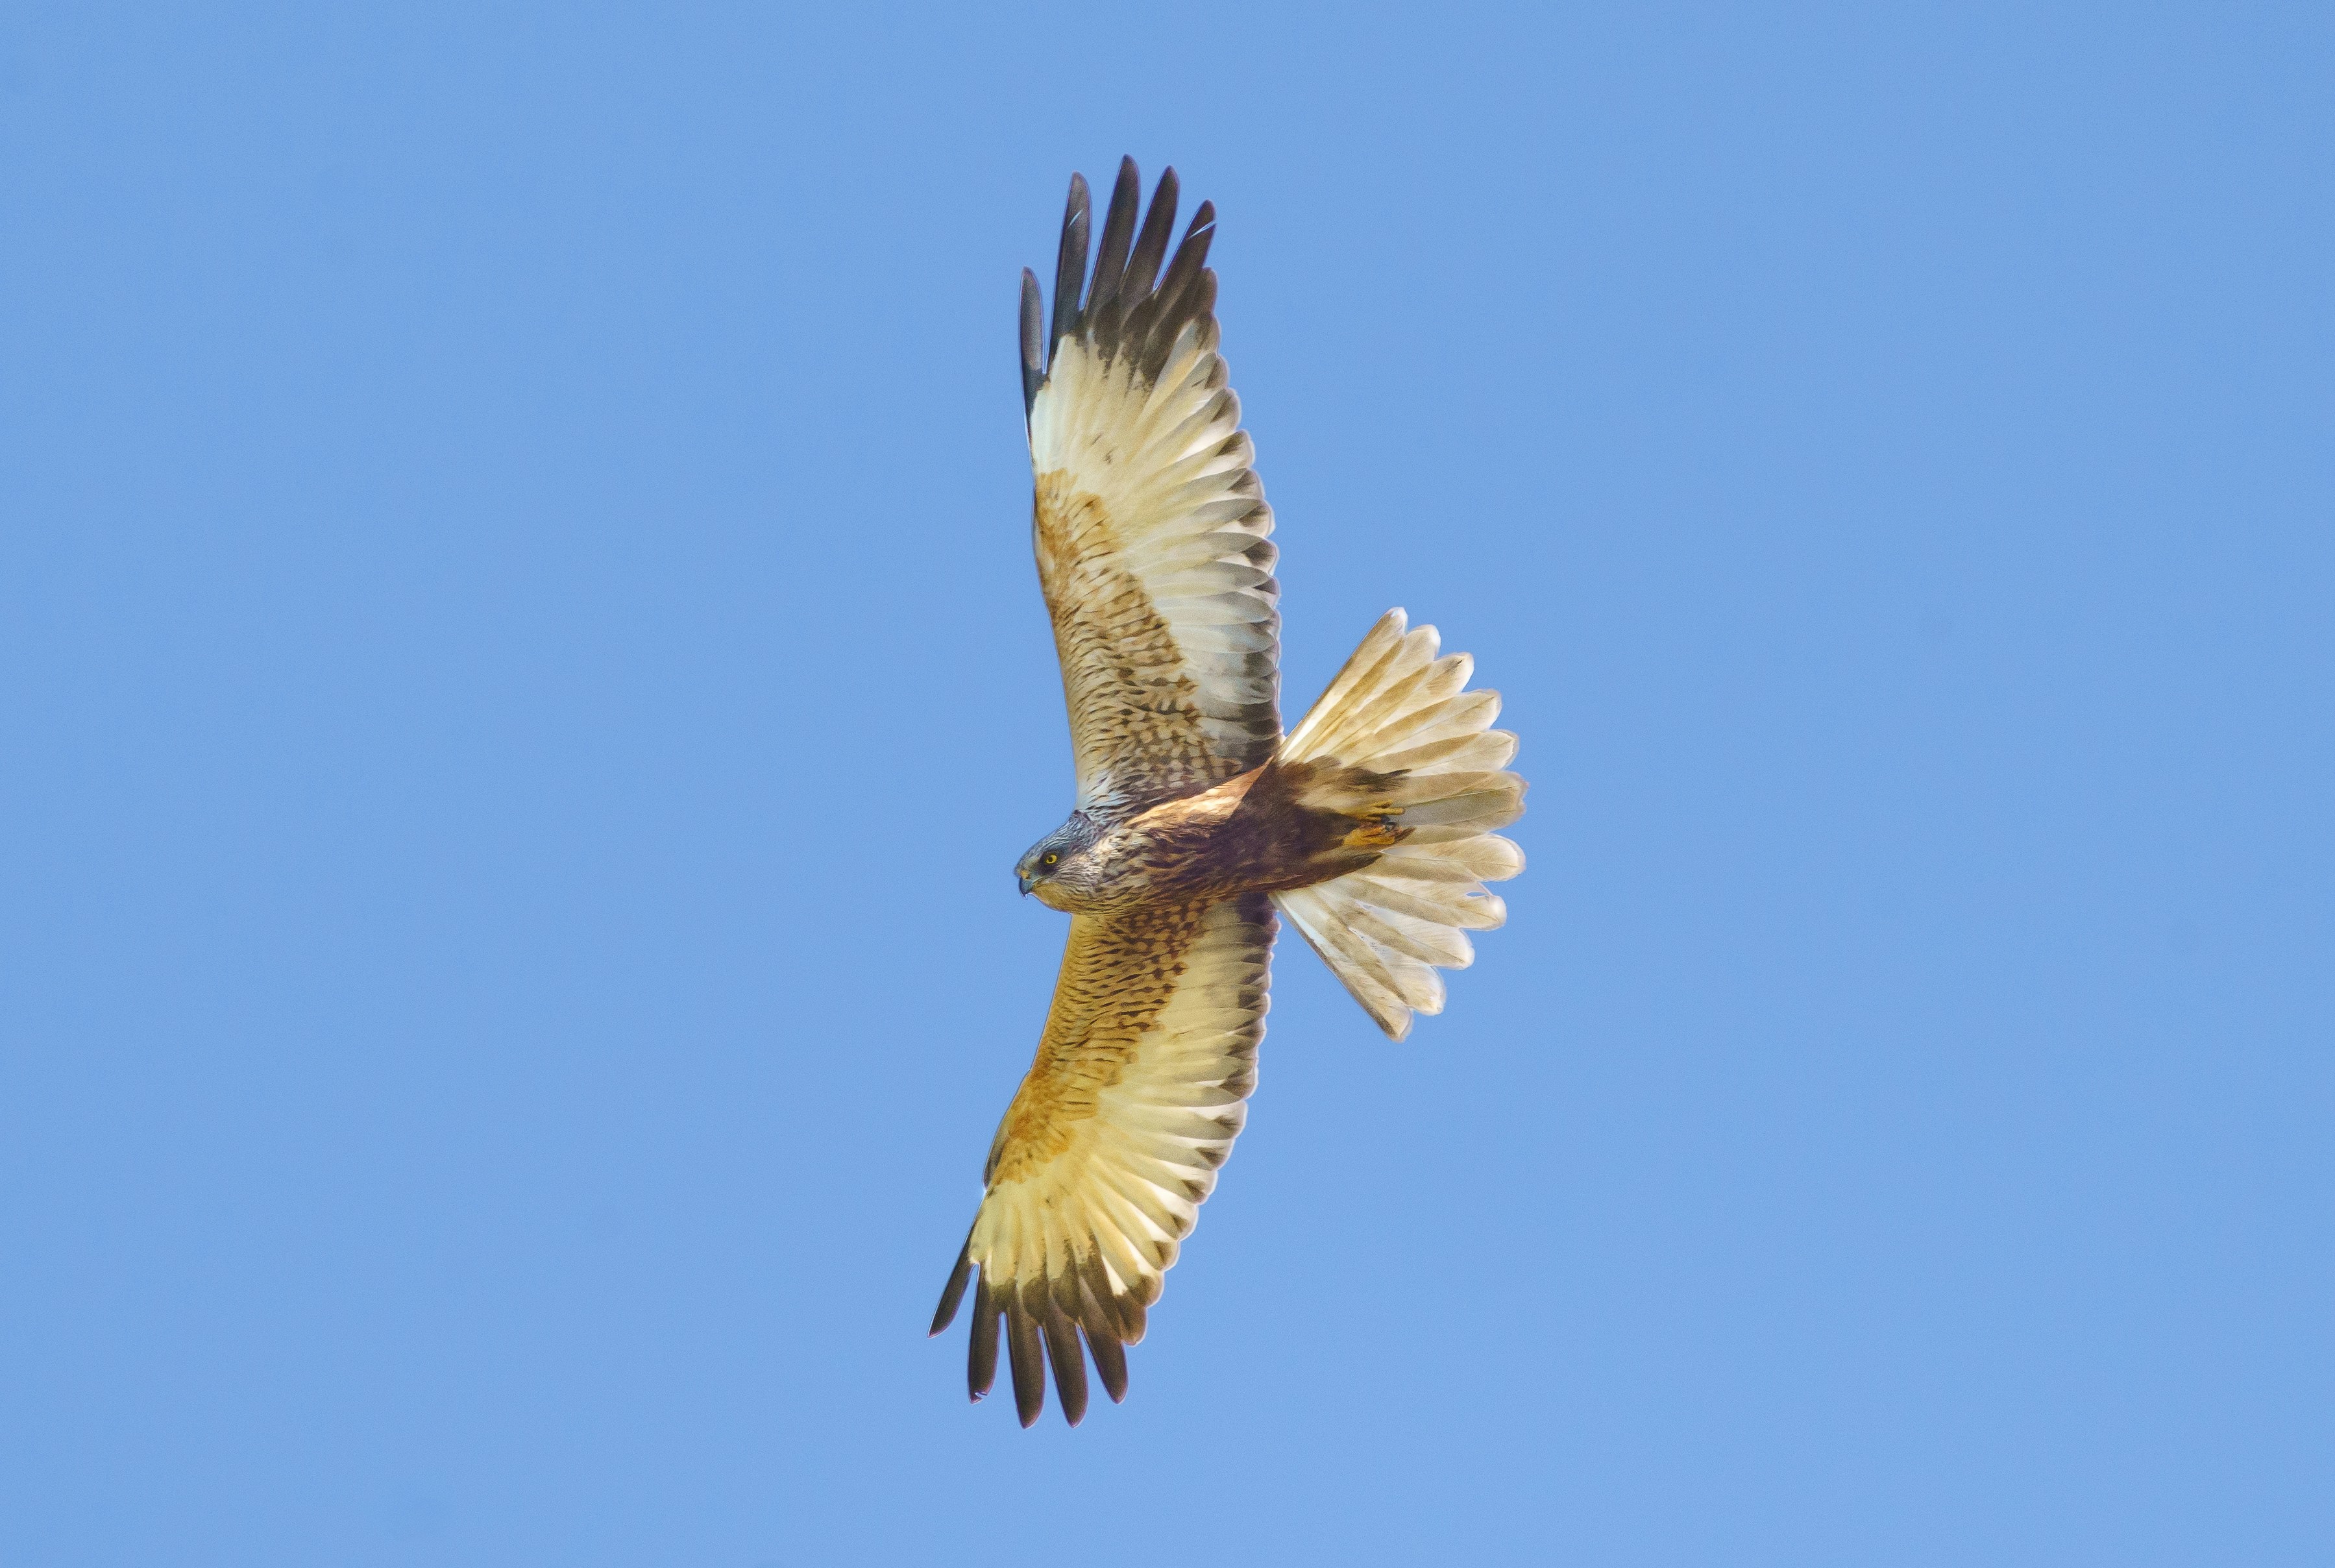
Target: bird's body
(1198, 821)
(1251, 834)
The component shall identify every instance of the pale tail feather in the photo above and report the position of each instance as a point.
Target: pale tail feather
(1418, 754)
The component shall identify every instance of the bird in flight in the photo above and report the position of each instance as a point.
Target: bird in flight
(1369, 827)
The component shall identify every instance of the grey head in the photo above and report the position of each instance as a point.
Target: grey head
(1056, 856)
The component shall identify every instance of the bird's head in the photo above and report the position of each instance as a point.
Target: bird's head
(1056, 866)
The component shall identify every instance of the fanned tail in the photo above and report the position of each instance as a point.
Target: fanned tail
(1396, 744)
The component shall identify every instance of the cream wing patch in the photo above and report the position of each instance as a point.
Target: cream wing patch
(1114, 1140)
(1150, 527)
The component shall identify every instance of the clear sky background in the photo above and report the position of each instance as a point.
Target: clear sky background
(521, 685)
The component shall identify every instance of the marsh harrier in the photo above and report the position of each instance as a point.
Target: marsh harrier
(1370, 826)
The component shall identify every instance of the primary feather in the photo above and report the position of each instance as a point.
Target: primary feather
(1148, 522)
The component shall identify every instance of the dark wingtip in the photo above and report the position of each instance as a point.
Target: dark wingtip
(1070, 265)
(1028, 1360)
(945, 1313)
(1192, 255)
(1141, 295)
(1151, 244)
(1033, 340)
(1111, 1364)
(981, 1342)
(1117, 235)
(1070, 1366)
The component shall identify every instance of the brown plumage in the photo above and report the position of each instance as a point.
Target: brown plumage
(1369, 827)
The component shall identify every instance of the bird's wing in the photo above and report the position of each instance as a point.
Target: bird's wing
(1149, 523)
(1113, 1141)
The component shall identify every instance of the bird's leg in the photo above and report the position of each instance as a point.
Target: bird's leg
(1379, 831)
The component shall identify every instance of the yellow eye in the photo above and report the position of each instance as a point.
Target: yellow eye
(1048, 859)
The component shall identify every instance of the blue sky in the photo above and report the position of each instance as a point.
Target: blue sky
(524, 686)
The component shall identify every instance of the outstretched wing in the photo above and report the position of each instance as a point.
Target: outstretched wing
(1149, 523)
(1113, 1141)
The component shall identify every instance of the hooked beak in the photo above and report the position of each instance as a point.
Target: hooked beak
(1024, 882)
